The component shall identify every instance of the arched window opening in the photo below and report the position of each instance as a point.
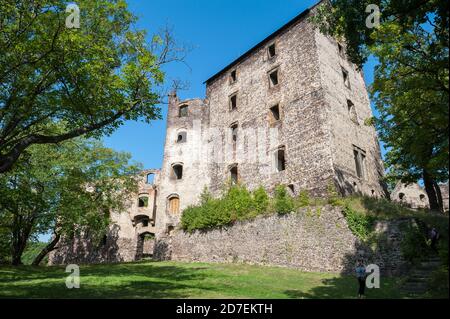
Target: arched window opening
(174, 205)
(150, 179)
(234, 174)
(280, 158)
(177, 171)
(401, 196)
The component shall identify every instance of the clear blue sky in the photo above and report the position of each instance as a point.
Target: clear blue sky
(219, 31)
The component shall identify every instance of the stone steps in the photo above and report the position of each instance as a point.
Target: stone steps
(417, 282)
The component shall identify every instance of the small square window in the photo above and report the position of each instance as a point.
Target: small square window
(272, 50)
(233, 102)
(275, 113)
(273, 78)
(233, 76)
(183, 112)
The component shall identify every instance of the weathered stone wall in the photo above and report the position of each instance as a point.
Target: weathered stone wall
(347, 129)
(301, 128)
(310, 240)
(415, 196)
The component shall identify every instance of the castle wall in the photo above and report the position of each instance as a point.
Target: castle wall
(347, 129)
(301, 128)
(190, 154)
(309, 240)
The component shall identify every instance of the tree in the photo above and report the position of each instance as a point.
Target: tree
(67, 189)
(411, 83)
(89, 79)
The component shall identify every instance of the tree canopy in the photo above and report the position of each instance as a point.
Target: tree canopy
(65, 190)
(90, 79)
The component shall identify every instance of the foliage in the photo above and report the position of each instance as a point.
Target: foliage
(284, 204)
(66, 188)
(414, 244)
(90, 79)
(438, 284)
(303, 199)
(361, 225)
(333, 196)
(31, 251)
(261, 200)
(236, 204)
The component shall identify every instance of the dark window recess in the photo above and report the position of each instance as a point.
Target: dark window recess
(272, 50)
(401, 196)
(273, 77)
(104, 240)
(182, 137)
(178, 171)
(233, 102)
(183, 112)
(340, 49)
(143, 202)
(360, 162)
(346, 78)
(233, 76)
(145, 223)
(234, 132)
(234, 174)
(275, 112)
(281, 160)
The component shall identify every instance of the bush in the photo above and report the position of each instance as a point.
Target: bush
(438, 284)
(236, 204)
(261, 200)
(333, 196)
(303, 199)
(284, 203)
(414, 244)
(361, 225)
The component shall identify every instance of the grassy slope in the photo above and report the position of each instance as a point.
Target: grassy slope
(183, 280)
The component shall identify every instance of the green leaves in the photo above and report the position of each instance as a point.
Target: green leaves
(91, 79)
(67, 188)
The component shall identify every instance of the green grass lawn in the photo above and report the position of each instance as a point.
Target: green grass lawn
(183, 280)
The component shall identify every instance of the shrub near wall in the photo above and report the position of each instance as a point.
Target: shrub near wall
(237, 204)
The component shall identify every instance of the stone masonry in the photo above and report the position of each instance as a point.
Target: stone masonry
(289, 111)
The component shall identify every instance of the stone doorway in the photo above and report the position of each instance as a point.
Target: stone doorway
(145, 246)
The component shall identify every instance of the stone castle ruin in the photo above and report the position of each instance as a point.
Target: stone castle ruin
(289, 111)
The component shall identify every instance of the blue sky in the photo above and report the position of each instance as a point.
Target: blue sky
(218, 31)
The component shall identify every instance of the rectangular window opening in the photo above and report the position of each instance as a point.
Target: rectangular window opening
(233, 102)
(275, 113)
(273, 77)
(271, 50)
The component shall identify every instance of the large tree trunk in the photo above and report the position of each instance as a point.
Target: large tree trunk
(431, 191)
(439, 197)
(21, 233)
(50, 247)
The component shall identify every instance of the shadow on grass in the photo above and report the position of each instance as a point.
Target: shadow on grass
(347, 288)
(109, 281)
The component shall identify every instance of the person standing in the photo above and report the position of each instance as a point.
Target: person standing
(361, 276)
(434, 236)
